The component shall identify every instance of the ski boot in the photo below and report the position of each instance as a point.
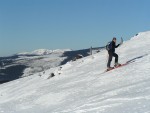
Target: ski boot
(117, 65)
(109, 68)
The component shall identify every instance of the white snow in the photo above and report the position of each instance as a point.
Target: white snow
(41, 64)
(82, 87)
(39, 60)
(44, 52)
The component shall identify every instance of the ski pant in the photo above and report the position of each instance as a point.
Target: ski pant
(111, 54)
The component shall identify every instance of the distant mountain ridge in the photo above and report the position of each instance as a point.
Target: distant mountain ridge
(44, 52)
(28, 63)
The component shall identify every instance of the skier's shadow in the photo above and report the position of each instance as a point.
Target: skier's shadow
(136, 58)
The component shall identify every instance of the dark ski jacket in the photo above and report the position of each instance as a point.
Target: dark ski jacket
(113, 46)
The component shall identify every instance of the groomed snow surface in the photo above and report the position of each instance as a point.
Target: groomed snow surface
(82, 87)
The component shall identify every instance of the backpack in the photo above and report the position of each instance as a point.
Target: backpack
(109, 46)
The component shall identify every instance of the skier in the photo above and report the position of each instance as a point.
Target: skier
(111, 53)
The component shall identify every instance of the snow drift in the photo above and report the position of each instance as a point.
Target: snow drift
(82, 87)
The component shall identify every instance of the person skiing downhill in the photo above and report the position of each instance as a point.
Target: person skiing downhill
(111, 53)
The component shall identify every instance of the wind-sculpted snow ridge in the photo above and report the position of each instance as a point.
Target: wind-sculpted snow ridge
(80, 86)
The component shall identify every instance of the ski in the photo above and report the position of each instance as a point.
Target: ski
(117, 66)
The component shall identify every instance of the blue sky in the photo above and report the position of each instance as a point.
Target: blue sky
(26, 25)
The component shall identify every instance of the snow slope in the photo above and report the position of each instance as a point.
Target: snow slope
(82, 87)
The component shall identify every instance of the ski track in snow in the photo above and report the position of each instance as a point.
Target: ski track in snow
(82, 88)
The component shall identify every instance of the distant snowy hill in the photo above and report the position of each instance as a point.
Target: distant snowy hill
(28, 63)
(44, 52)
(83, 87)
